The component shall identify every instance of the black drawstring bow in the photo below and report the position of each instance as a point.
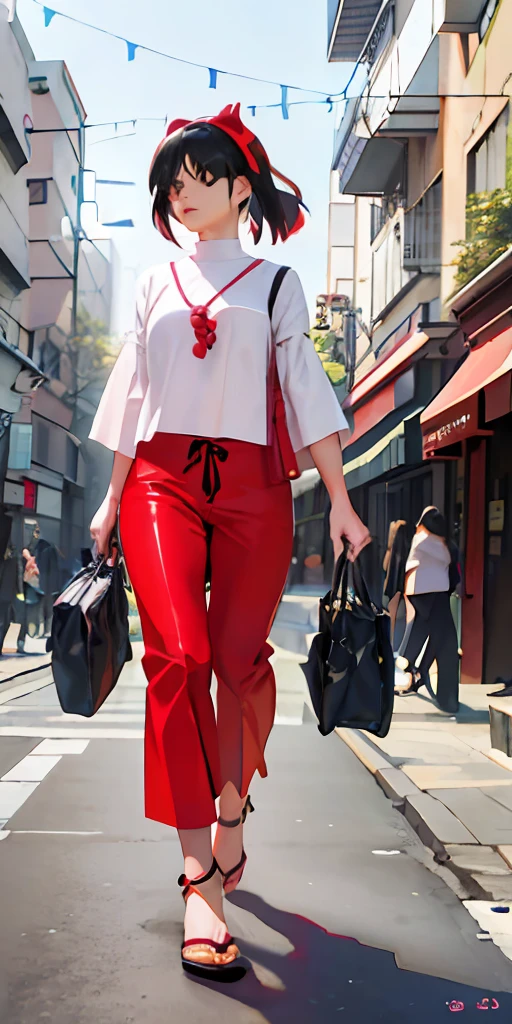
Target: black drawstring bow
(212, 453)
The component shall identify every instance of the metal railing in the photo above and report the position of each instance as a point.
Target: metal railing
(381, 212)
(422, 232)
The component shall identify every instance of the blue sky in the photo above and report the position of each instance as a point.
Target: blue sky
(284, 40)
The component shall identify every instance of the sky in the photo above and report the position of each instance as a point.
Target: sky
(281, 40)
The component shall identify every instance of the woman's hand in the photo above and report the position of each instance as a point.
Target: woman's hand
(103, 524)
(345, 524)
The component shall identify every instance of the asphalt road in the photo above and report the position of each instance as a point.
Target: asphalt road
(91, 916)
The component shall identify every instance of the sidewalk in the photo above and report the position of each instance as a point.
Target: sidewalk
(456, 792)
(14, 665)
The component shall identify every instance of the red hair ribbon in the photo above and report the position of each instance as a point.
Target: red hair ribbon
(230, 122)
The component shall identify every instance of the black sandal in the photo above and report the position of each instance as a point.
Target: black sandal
(238, 870)
(206, 945)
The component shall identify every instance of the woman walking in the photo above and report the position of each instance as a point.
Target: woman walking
(429, 581)
(199, 474)
(394, 569)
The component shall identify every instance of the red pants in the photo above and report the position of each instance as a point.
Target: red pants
(178, 504)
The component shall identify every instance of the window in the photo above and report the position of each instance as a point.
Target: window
(487, 162)
(37, 191)
(20, 446)
(49, 359)
(487, 16)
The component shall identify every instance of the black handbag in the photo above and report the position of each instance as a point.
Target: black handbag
(350, 670)
(90, 636)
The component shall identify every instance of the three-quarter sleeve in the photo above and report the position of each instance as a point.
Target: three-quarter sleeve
(312, 408)
(117, 417)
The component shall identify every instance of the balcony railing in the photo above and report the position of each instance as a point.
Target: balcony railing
(381, 213)
(422, 232)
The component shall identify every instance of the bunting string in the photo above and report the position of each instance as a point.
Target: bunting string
(213, 73)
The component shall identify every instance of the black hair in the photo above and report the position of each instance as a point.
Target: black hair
(434, 521)
(209, 149)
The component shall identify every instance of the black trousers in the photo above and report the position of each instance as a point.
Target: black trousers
(433, 621)
(5, 620)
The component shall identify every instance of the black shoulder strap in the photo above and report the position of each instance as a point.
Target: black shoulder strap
(276, 284)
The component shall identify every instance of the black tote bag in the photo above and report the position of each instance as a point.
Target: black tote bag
(90, 636)
(350, 670)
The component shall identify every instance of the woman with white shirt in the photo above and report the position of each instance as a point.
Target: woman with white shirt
(429, 581)
(201, 470)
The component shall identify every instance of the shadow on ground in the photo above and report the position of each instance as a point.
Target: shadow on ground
(329, 977)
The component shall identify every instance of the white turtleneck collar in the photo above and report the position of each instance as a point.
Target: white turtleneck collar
(217, 250)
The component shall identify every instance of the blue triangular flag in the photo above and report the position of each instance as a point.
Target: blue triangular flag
(213, 78)
(131, 49)
(284, 101)
(48, 15)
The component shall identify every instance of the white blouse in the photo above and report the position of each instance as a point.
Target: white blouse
(158, 384)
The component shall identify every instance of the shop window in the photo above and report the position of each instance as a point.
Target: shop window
(37, 191)
(71, 459)
(487, 15)
(41, 442)
(487, 162)
(20, 446)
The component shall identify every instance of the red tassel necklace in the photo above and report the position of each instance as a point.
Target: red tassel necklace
(204, 326)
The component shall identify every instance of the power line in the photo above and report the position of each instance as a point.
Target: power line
(132, 47)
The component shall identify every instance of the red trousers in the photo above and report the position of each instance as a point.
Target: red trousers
(186, 499)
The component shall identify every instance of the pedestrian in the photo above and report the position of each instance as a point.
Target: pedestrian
(47, 559)
(394, 568)
(431, 574)
(186, 411)
(9, 584)
(30, 597)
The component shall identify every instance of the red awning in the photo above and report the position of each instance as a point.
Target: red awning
(391, 365)
(453, 414)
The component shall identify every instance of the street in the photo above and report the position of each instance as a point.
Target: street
(91, 918)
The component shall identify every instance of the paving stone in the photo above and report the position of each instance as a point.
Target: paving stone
(440, 821)
(498, 888)
(417, 746)
(395, 784)
(453, 776)
(500, 794)
(488, 821)
(481, 859)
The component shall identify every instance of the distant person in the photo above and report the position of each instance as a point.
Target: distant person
(47, 559)
(431, 574)
(394, 568)
(10, 583)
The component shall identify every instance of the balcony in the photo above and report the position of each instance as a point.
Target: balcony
(422, 233)
(349, 22)
(381, 212)
(458, 15)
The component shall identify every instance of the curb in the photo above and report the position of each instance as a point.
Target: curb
(432, 821)
(22, 679)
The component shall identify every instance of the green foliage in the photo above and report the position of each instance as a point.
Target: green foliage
(488, 233)
(91, 350)
(326, 344)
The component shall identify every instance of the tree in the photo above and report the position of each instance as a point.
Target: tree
(327, 346)
(91, 353)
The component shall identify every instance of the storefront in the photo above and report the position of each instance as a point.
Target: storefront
(468, 427)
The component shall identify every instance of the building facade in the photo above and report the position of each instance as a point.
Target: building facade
(424, 150)
(66, 303)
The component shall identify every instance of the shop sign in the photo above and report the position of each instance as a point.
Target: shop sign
(29, 500)
(496, 516)
(450, 432)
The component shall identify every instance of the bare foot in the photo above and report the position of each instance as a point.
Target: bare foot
(206, 920)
